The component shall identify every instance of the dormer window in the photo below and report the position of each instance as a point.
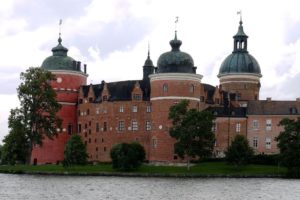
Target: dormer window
(192, 89)
(137, 97)
(293, 110)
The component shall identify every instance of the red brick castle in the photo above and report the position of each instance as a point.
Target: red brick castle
(106, 114)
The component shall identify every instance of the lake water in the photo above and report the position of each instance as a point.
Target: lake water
(35, 187)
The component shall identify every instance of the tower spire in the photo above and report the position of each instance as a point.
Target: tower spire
(59, 34)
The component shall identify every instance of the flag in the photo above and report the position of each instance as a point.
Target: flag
(176, 20)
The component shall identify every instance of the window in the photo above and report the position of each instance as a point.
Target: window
(134, 108)
(134, 125)
(88, 111)
(79, 128)
(85, 126)
(105, 126)
(104, 149)
(192, 89)
(154, 143)
(202, 99)
(137, 96)
(214, 126)
(268, 143)
(90, 100)
(238, 96)
(148, 126)
(121, 126)
(90, 123)
(90, 131)
(255, 142)
(104, 98)
(238, 127)
(268, 125)
(97, 127)
(121, 109)
(78, 112)
(97, 111)
(148, 109)
(255, 124)
(70, 129)
(165, 87)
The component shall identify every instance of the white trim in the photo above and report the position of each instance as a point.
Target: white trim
(67, 103)
(175, 76)
(241, 76)
(223, 82)
(68, 72)
(174, 97)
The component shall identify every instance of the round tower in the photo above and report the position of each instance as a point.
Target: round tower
(69, 77)
(175, 79)
(240, 73)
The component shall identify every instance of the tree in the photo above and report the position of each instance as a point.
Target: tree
(126, 157)
(0, 153)
(15, 148)
(239, 152)
(193, 131)
(289, 145)
(38, 107)
(75, 152)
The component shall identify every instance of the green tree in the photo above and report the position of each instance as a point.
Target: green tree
(38, 107)
(15, 148)
(75, 152)
(289, 145)
(126, 157)
(239, 152)
(192, 130)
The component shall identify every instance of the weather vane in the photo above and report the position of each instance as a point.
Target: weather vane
(240, 13)
(176, 22)
(60, 22)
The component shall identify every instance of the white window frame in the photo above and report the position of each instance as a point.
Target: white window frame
(134, 125)
(268, 124)
(134, 109)
(268, 143)
(121, 109)
(238, 127)
(148, 109)
(121, 125)
(255, 142)
(148, 126)
(255, 124)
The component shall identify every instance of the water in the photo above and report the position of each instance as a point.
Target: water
(34, 187)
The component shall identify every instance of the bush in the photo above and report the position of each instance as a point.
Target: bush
(75, 152)
(126, 157)
(263, 159)
(239, 152)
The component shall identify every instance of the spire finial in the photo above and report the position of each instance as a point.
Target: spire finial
(241, 19)
(148, 50)
(59, 35)
(176, 22)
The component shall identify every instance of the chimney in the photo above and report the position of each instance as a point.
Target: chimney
(74, 65)
(84, 68)
(269, 99)
(78, 65)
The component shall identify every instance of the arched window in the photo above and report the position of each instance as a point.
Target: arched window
(165, 87)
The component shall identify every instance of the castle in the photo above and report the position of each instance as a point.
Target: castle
(106, 114)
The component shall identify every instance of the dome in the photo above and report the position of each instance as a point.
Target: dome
(59, 60)
(175, 61)
(240, 61)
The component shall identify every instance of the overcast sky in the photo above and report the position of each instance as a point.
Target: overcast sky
(111, 37)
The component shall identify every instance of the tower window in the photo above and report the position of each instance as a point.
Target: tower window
(105, 126)
(165, 87)
(97, 127)
(192, 89)
(70, 129)
(134, 125)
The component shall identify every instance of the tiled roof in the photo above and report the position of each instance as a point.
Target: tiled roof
(269, 107)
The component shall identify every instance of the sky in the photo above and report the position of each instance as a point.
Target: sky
(112, 38)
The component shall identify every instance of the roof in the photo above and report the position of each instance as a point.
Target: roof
(269, 107)
(175, 61)
(210, 93)
(228, 112)
(119, 91)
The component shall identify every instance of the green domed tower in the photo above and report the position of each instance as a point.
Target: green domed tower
(69, 78)
(240, 72)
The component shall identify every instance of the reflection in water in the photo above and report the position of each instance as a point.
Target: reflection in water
(34, 187)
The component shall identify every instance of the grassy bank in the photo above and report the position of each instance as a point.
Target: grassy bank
(202, 169)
